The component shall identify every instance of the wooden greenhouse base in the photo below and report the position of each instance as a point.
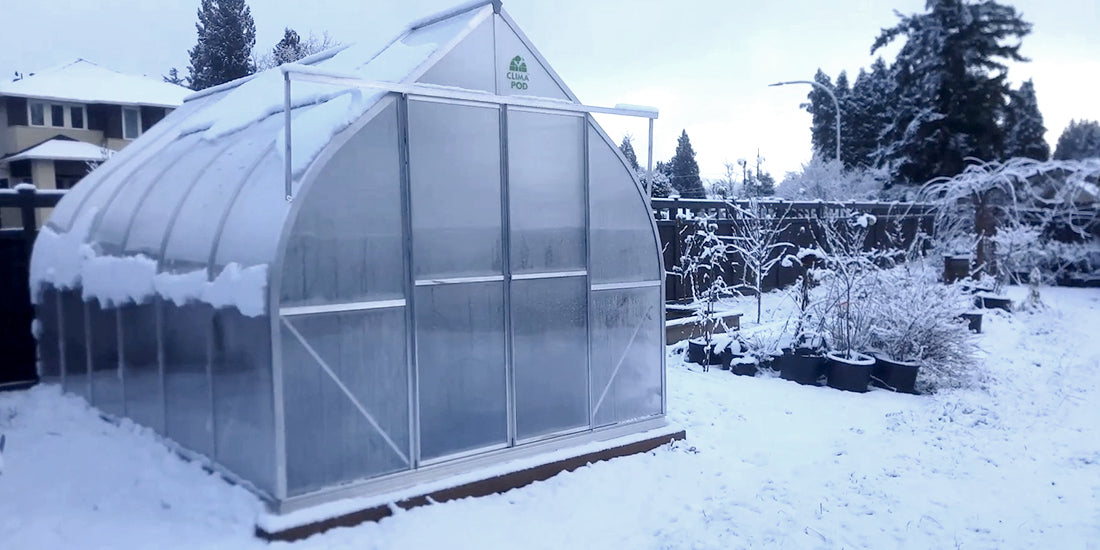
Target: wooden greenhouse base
(478, 488)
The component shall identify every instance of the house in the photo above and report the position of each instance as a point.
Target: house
(56, 124)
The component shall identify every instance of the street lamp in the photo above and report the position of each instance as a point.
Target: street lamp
(835, 102)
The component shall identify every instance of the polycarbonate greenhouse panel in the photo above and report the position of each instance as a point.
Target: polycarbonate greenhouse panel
(106, 368)
(346, 244)
(195, 229)
(49, 339)
(138, 182)
(104, 183)
(74, 336)
(189, 414)
(519, 72)
(626, 354)
(461, 369)
(251, 228)
(624, 243)
(454, 164)
(346, 394)
(546, 191)
(469, 65)
(244, 423)
(550, 355)
(140, 356)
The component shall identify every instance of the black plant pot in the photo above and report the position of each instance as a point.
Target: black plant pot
(973, 321)
(800, 365)
(899, 376)
(739, 366)
(850, 374)
(955, 268)
(697, 353)
(993, 302)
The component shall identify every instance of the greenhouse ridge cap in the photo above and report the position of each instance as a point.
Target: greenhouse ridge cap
(296, 72)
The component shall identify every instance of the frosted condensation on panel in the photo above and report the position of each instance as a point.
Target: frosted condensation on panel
(333, 435)
(49, 335)
(192, 237)
(460, 357)
(550, 355)
(189, 412)
(73, 346)
(455, 176)
(519, 72)
(155, 212)
(256, 218)
(624, 245)
(469, 65)
(106, 369)
(626, 354)
(134, 184)
(346, 243)
(546, 191)
(244, 422)
(144, 391)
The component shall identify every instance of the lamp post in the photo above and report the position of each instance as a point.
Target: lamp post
(835, 102)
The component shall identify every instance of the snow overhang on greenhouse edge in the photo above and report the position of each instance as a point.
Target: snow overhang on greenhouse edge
(194, 209)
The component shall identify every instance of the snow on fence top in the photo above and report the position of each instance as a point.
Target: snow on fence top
(85, 82)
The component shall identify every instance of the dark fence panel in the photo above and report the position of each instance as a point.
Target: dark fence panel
(898, 225)
(17, 343)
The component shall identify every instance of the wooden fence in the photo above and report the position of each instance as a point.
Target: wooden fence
(896, 222)
(19, 211)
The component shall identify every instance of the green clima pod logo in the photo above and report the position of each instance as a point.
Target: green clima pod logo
(517, 73)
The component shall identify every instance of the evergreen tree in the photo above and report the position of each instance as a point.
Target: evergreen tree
(173, 77)
(1080, 140)
(685, 171)
(628, 151)
(1023, 125)
(867, 116)
(823, 111)
(226, 36)
(950, 78)
(289, 49)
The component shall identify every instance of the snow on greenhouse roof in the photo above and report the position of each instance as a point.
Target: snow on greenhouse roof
(61, 148)
(85, 82)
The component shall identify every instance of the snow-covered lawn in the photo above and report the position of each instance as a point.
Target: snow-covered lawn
(767, 464)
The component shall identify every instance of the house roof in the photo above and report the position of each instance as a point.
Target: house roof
(62, 148)
(85, 82)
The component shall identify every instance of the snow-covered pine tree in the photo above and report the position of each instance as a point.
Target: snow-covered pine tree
(685, 171)
(823, 111)
(1023, 125)
(950, 77)
(223, 51)
(173, 77)
(869, 111)
(289, 49)
(627, 147)
(1080, 140)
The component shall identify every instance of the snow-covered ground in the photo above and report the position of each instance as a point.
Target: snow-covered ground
(767, 464)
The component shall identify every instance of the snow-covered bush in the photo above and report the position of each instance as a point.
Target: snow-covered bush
(847, 280)
(702, 267)
(828, 180)
(915, 318)
(758, 227)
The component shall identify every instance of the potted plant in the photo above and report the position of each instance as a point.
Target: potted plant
(702, 267)
(803, 359)
(917, 325)
(849, 267)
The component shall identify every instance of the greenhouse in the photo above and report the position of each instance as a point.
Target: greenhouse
(379, 267)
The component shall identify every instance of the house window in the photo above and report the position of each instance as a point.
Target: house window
(76, 116)
(131, 122)
(38, 114)
(57, 116)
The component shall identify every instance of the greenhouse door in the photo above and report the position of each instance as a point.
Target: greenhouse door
(458, 273)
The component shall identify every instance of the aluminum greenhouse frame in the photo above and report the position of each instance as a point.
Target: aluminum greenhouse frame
(381, 267)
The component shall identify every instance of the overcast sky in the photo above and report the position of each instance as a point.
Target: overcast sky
(705, 63)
